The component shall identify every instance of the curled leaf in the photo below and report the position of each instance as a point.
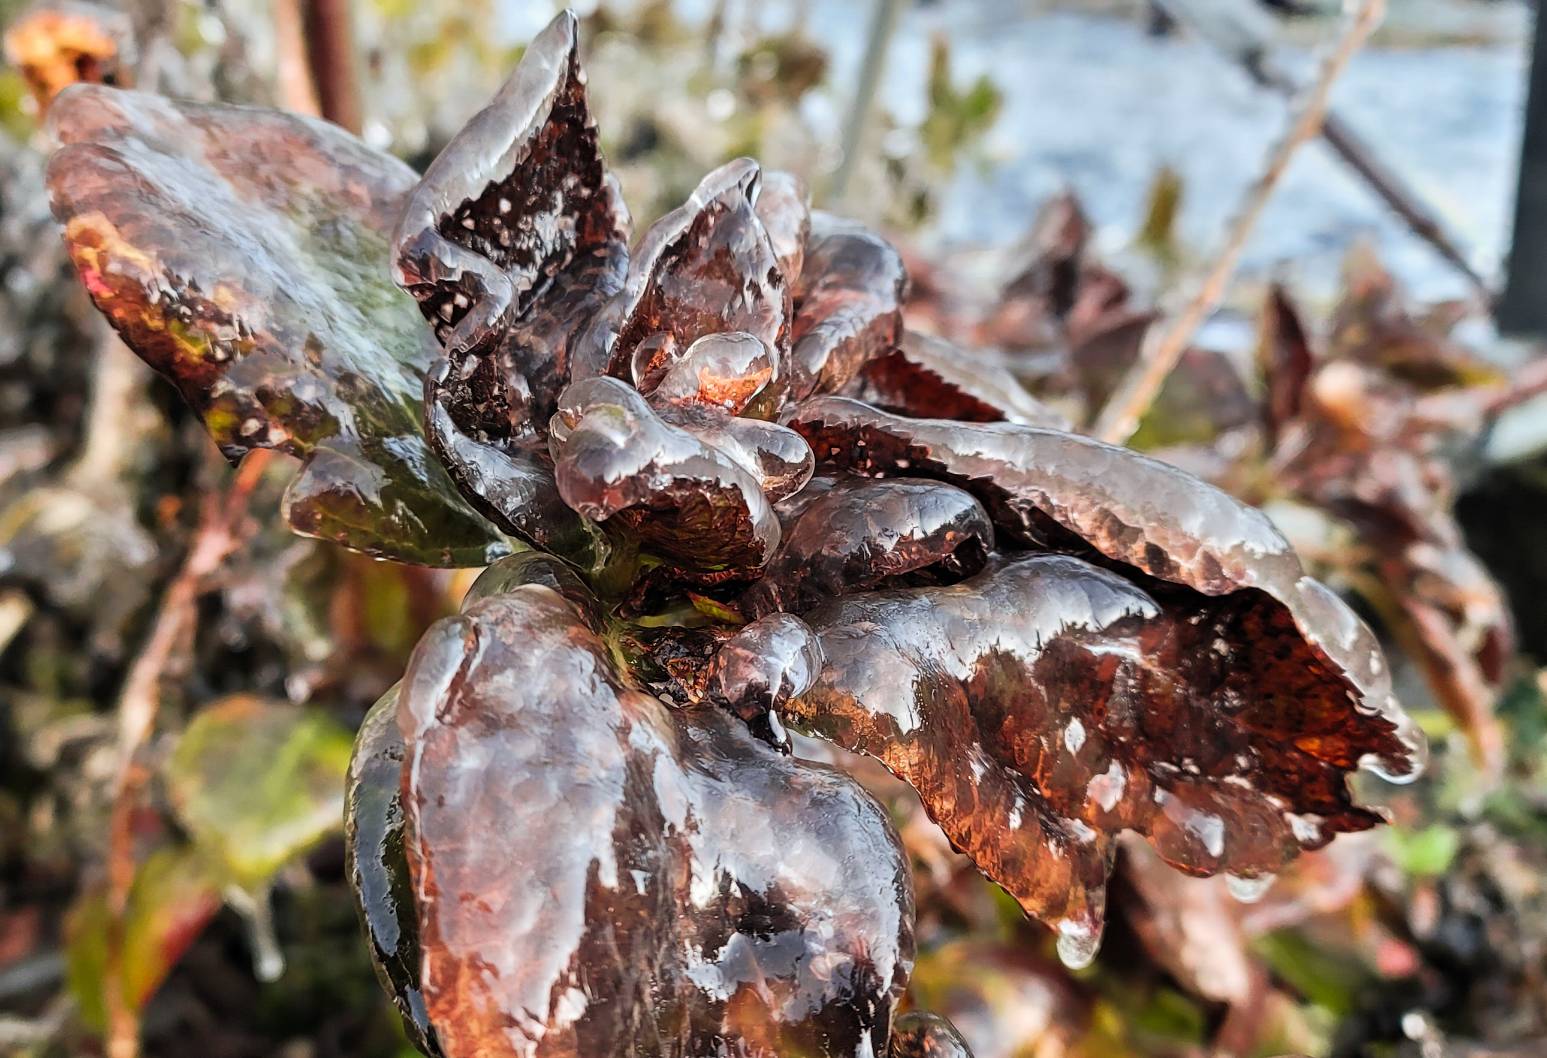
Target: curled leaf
(238, 251)
(848, 305)
(1034, 734)
(514, 237)
(763, 666)
(1063, 492)
(662, 883)
(928, 375)
(696, 498)
(509, 481)
(706, 267)
(861, 533)
(784, 207)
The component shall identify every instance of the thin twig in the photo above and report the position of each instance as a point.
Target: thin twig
(1242, 34)
(1133, 398)
(223, 525)
(331, 55)
(856, 128)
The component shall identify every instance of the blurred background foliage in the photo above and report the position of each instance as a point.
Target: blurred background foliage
(1395, 440)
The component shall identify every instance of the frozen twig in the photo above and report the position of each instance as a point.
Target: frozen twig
(223, 525)
(1161, 352)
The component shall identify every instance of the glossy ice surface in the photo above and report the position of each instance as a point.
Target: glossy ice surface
(662, 882)
(571, 830)
(240, 253)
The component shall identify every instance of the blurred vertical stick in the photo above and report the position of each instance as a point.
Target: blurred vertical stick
(1523, 307)
(1164, 347)
(882, 25)
(331, 56)
(293, 70)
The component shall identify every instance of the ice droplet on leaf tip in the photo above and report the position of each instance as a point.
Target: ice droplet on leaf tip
(1078, 943)
(1249, 890)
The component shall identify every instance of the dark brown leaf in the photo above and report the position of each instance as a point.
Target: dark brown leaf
(761, 667)
(1035, 733)
(595, 873)
(1065, 492)
(706, 267)
(1284, 361)
(862, 533)
(926, 375)
(848, 305)
(695, 497)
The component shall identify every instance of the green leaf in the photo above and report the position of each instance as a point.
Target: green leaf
(173, 897)
(257, 783)
(1423, 853)
(243, 253)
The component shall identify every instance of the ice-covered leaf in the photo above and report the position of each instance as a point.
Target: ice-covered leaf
(922, 1035)
(377, 865)
(784, 207)
(509, 479)
(258, 782)
(1362, 449)
(241, 252)
(706, 267)
(848, 305)
(513, 239)
(595, 873)
(1064, 492)
(761, 667)
(1046, 704)
(692, 493)
(861, 533)
(171, 900)
(926, 375)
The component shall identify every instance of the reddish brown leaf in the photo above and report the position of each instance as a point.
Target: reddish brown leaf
(706, 267)
(693, 493)
(663, 883)
(862, 533)
(784, 207)
(1034, 734)
(926, 375)
(848, 305)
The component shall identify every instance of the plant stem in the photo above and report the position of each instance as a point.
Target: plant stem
(222, 528)
(1161, 352)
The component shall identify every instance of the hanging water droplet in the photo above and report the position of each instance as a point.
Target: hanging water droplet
(1248, 890)
(1078, 943)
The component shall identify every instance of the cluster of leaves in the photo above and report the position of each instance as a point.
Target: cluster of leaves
(575, 823)
(1441, 914)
